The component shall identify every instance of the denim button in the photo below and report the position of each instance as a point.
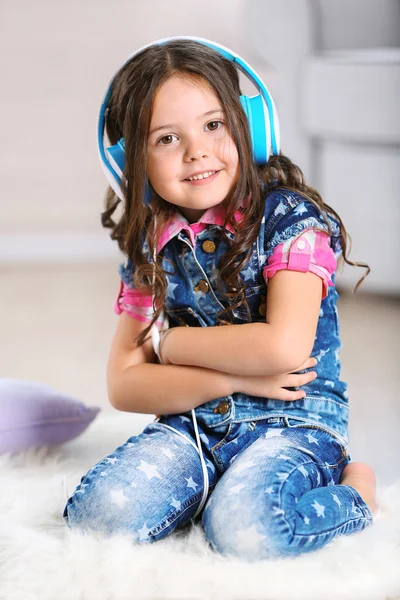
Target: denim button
(208, 246)
(222, 408)
(202, 286)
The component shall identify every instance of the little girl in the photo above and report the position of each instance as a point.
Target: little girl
(228, 288)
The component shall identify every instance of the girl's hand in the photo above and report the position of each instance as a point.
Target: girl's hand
(273, 386)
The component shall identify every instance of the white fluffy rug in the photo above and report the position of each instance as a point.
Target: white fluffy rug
(41, 559)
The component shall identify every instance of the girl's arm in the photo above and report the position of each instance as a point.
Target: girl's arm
(137, 384)
(278, 346)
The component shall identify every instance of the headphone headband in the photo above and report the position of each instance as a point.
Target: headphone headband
(260, 111)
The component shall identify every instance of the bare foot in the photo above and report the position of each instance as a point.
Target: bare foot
(362, 478)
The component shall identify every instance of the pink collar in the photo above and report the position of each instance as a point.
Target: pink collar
(178, 223)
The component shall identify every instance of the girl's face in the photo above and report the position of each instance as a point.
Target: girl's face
(189, 137)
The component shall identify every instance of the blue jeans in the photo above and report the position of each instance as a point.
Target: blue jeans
(274, 487)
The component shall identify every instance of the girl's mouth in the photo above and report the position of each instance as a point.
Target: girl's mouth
(205, 178)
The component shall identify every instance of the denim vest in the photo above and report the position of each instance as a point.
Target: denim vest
(194, 300)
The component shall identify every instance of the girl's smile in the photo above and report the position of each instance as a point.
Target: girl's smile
(192, 159)
(202, 179)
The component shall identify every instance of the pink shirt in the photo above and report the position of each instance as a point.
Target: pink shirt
(309, 251)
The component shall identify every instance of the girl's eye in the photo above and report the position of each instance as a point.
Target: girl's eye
(166, 140)
(214, 125)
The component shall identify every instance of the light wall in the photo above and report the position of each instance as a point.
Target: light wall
(56, 61)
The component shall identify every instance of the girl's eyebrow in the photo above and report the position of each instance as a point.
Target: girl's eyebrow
(172, 126)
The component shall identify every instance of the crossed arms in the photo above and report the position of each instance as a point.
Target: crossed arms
(212, 362)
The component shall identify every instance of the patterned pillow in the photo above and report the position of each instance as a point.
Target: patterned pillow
(33, 415)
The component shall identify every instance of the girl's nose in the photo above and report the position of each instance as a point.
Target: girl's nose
(196, 148)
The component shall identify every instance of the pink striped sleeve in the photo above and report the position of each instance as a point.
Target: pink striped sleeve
(134, 303)
(310, 251)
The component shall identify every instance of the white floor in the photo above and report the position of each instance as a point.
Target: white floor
(56, 325)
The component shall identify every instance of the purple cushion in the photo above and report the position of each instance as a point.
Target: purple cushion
(34, 414)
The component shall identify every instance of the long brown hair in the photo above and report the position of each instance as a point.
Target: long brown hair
(129, 116)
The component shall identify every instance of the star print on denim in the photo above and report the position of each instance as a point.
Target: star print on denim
(204, 438)
(314, 416)
(301, 209)
(167, 452)
(273, 433)
(242, 466)
(176, 504)
(303, 471)
(249, 538)
(214, 274)
(329, 383)
(321, 354)
(210, 465)
(191, 483)
(337, 354)
(149, 470)
(336, 499)
(118, 497)
(236, 489)
(280, 209)
(319, 508)
(248, 273)
(312, 439)
(201, 295)
(278, 511)
(171, 290)
(143, 533)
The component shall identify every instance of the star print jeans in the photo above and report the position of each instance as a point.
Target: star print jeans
(273, 487)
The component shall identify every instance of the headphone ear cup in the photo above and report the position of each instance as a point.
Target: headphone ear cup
(257, 116)
(116, 157)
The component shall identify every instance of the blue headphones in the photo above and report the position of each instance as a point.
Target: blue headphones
(260, 111)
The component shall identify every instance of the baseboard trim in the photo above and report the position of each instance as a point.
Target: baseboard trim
(56, 248)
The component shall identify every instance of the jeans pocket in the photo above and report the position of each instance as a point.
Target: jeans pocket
(327, 446)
